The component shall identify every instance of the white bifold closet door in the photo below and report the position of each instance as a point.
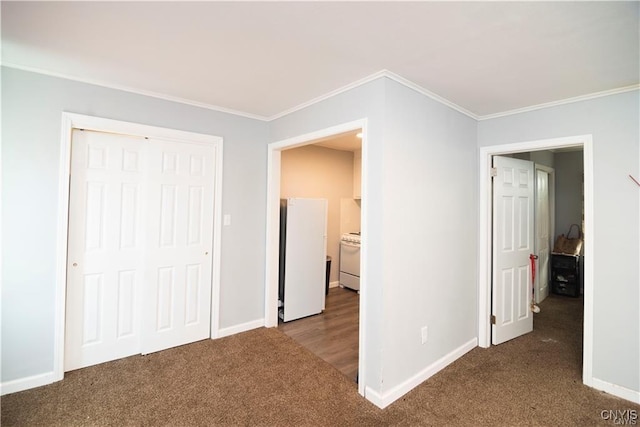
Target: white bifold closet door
(139, 246)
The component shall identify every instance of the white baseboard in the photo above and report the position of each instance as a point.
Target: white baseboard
(616, 390)
(374, 397)
(334, 284)
(243, 327)
(22, 384)
(385, 399)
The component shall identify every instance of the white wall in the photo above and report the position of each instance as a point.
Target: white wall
(614, 122)
(320, 172)
(31, 122)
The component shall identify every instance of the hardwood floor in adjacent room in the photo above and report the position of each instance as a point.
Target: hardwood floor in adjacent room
(332, 335)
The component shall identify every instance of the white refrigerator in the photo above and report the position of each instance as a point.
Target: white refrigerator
(303, 252)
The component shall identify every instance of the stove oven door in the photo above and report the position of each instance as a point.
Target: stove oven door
(350, 265)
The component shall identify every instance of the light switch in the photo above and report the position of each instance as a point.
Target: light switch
(226, 219)
(425, 334)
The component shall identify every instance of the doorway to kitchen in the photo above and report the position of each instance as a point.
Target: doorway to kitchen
(488, 305)
(336, 335)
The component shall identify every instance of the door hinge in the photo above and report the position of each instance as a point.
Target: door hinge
(493, 319)
(493, 172)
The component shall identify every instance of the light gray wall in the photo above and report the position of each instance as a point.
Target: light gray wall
(614, 123)
(545, 158)
(429, 234)
(365, 101)
(569, 171)
(419, 172)
(420, 181)
(31, 122)
(521, 156)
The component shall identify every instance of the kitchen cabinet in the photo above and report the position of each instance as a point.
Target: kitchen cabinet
(357, 174)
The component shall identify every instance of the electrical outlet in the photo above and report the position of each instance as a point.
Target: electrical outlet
(425, 334)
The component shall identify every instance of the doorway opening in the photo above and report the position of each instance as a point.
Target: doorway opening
(290, 165)
(326, 170)
(485, 290)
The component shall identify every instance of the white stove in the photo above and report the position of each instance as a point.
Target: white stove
(350, 261)
(351, 237)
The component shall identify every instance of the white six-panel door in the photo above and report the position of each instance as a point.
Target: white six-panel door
(139, 247)
(105, 248)
(179, 242)
(513, 226)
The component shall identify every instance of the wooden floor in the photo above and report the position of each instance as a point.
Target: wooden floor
(332, 335)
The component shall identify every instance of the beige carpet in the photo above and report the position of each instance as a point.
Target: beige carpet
(262, 377)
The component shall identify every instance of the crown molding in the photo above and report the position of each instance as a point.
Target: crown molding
(561, 102)
(328, 95)
(408, 83)
(412, 85)
(382, 73)
(134, 91)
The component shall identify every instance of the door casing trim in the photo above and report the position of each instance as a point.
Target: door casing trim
(485, 233)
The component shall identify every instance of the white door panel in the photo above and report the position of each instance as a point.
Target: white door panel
(179, 255)
(105, 248)
(140, 246)
(513, 222)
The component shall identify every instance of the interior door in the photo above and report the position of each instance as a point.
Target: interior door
(305, 258)
(105, 269)
(513, 231)
(543, 232)
(179, 245)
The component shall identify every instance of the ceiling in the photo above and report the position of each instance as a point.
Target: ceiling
(348, 141)
(263, 59)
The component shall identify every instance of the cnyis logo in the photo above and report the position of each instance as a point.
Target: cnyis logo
(621, 417)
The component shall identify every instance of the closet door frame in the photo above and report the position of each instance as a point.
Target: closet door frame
(72, 121)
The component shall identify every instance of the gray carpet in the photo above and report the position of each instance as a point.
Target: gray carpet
(262, 377)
